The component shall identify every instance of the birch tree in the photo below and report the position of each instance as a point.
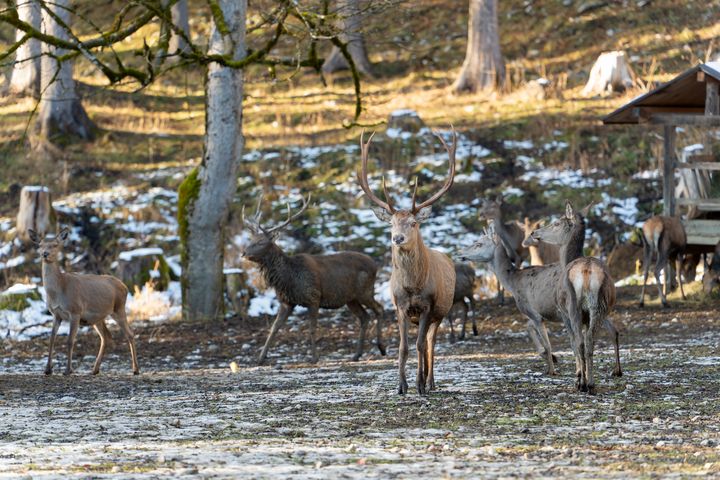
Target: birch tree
(181, 20)
(351, 19)
(25, 76)
(483, 68)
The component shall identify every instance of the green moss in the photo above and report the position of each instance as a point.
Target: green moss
(188, 192)
(17, 302)
(218, 17)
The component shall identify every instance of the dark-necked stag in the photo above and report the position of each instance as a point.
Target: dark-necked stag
(313, 281)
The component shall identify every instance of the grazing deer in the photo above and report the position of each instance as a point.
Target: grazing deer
(585, 295)
(76, 298)
(510, 232)
(711, 276)
(541, 253)
(313, 281)
(464, 288)
(422, 282)
(533, 287)
(663, 238)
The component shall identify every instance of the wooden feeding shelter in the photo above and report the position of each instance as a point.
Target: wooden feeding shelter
(690, 99)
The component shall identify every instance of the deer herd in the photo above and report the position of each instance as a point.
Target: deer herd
(561, 285)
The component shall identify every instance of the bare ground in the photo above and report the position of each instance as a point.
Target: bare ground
(495, 413)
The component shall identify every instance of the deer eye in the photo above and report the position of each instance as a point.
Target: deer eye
(413, 224)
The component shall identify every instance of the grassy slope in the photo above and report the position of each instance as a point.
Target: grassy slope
(165, 122)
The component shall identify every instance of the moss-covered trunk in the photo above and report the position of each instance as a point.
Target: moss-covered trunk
(205, 196)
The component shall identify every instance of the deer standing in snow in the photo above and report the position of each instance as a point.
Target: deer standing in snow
(422, 282)
(86, 299)
(313, 281)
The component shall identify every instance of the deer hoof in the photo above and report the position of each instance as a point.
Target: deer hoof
(421, 388)
(356, 357)
(475, 331)
(666, 305)
(67, 372)
(403, 387)
(382, 349)
(641, 304)
(591, 390)
(48, 370)
(555, 359)
(95, 372)
(136, 371)
(617, 373)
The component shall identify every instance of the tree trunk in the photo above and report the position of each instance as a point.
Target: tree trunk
(25, 77)
(35, 213)
(610, 73)
(483, 68)
(61, 112)
(180, 20)
(349, 12)
(205, 196)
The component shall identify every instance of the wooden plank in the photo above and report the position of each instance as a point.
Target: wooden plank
(668, 171)
(712, 100)
(705, 204)
(699, 165)
(647, 112)
(702, 232)
(701, 158)
(684, 119)
(701, 76)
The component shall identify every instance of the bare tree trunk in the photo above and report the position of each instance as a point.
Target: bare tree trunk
(483, 68)
(35, 213)
(180, 19)
(349, 12)
(61, 112)
(25, 77)
(205, 196)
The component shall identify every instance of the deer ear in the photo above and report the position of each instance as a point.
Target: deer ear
(423, 214)
(63, 235)
(499, 199)
(34, 237)
(382, 214)
(569, 211)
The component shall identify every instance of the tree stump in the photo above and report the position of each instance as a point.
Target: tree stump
(610, 73)
(237, 289)
(143, 265)
(35, 212)
(405, 120)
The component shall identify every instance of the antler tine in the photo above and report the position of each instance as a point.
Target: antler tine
(258, 212)
(292, 217)
(451, 171)
(414, 195)
(585, 211)
(250, 224)
(363, 180)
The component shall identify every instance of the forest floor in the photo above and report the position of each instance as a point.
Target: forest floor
(494, 414)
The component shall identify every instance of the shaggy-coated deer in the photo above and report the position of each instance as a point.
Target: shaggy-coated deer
(664, 238)
(541, 253)
(533, 288)
(422, 282)
(585, 296)
(510, 232)
(313, 281)
(87, 299)
(464, 288)
(711, 275)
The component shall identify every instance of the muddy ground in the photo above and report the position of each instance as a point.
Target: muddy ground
(495, 413)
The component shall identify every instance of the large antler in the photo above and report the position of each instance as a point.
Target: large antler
(363, 180)
(290, 218)
(451, 174)
(253, 223)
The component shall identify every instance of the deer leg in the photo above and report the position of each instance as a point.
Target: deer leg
(362, 315)
(537, 325)
(430, 355)
(589, 350)
(473, 316)
(53, 335)
(452, 330)
(464, 307)
(678, 262)
(546, 341)
(121, 319)
(615, 336)
(535, 338)
(662, 263)
(101, 331)
(313, 327)
(421, 347)
(402, 351)
(379, 314)
(74, 324)
(282, 316)
(647, 258)
(501, 294)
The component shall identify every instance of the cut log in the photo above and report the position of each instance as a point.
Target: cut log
(35, 212)
(611, 73)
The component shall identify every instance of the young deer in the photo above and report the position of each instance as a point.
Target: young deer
(664, 238)
(541, 253)
(76, 298)
(313, 281)
(464, 288)
(422, 282)
(585, 296)
(510, 232)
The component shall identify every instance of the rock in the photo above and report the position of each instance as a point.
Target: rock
(138, 267)
(405, 120)
(586, 7)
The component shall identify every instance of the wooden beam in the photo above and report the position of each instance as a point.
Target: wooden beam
(647, 112)
(669, 171)
(706, 204)
(701, 76)
(712, 102)
(699, 165)
(684, 119)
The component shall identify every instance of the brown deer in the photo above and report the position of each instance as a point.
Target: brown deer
(541, 253)
(711, 276)
(464, 288)
(81, 299)
(663, 238)
(584, 295)
(313, 281)
(422, 282)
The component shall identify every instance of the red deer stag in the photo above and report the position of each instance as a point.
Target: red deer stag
(422, 282)
(313, 281)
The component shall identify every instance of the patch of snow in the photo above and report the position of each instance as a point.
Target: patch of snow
(139, 252)
(20, 288)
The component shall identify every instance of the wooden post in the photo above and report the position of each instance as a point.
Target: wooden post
(712, 102)
(669, 171)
